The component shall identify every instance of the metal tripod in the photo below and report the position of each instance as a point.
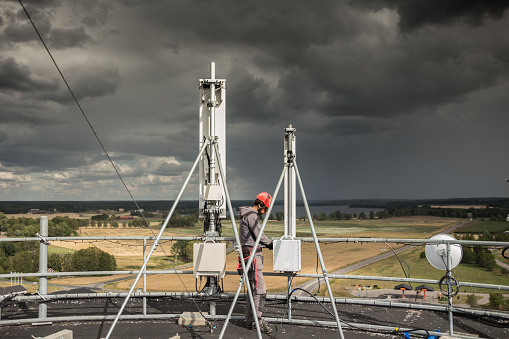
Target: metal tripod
(290, 165)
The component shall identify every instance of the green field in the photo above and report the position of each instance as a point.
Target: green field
(489, 226)
(59, 250)
(420, 269)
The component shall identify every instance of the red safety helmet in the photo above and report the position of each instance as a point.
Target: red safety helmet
(265, 198)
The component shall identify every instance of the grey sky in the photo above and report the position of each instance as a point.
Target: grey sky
(391, 99)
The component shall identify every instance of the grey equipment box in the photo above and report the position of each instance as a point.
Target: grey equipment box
(287, 255)
(209, 259)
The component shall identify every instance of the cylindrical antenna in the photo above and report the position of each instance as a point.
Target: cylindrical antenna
(212, 133)
(212, 70)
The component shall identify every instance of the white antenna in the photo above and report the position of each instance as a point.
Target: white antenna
(212, 125)
(437, 253)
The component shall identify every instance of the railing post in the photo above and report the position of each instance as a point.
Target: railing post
(144, 277)
(43, 266)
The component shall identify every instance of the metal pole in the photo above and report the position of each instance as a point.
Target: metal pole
(43, 265)
(144, 277)
(245, 267)
(156, 242)
(318, 251)
(212, 133)
(290, 200)
(449, 289)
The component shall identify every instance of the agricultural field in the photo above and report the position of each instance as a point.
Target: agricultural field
(418, 267)
(478, 226)
(128, 254)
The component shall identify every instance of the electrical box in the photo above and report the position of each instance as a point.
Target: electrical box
(213, 193)
(287, 255)
(209, 259)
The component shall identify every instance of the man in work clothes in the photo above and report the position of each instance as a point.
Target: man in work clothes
(249, 230)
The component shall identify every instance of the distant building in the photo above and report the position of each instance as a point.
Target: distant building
(121, 210)
(36, 211)
(126, 217)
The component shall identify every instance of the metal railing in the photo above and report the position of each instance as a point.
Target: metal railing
(42, 297)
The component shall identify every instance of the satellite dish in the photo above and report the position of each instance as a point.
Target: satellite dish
(437, 253)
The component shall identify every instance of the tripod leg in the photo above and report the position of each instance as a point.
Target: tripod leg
(156, 242)
(325, 277)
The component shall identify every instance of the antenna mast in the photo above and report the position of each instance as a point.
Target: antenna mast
(290, 200)
(209, 258)
(213, 128)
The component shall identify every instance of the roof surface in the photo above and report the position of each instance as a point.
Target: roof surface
(167, 328)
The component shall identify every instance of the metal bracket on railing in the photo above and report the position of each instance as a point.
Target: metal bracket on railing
(40, 295)
(43, 240)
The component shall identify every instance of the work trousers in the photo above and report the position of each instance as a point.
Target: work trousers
(258, 289)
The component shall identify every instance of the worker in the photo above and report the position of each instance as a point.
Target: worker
(249, 230)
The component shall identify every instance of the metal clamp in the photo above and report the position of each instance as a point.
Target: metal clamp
(43, 240)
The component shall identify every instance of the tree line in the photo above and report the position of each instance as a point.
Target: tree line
(20, 207)
(24, 256)
(479, 255)
(492, 214)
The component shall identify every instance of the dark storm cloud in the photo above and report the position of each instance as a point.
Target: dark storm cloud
(18, 28)
(34, 159)
(67, 38)
(91, 78)
(417, 13)
(15, 76)
(329, 58)
(250, 97)
(93, 13)
(168, 169)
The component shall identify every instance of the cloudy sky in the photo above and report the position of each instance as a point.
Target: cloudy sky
(390, 98)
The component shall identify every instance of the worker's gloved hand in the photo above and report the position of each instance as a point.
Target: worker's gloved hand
(270, 246)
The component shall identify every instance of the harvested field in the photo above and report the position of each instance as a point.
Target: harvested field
(335, 256)
(129, 254)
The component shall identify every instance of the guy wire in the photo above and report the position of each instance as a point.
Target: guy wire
(396, 254)
(102, 145)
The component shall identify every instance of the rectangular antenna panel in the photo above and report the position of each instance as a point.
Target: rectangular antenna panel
(287, 255)
(219, 130)
(209, 259)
